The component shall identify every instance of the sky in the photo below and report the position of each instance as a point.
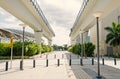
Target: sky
(61, 15)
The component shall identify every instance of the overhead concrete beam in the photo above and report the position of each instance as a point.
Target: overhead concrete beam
(28, 12)
(86, 20)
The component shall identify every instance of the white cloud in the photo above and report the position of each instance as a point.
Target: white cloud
(61, 15)
(62, 34)
(9, 21)
(15, 26)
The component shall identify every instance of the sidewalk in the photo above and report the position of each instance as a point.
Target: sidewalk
(64, 71)
(39, 72)
(107, 71)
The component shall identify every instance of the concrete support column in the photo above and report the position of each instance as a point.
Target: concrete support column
(72, 42)
(49, 42)
(38, 36)
(80, 38)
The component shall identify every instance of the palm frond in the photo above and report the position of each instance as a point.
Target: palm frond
(109, 29)
(109, 37)
(113, 37)
(114, 24)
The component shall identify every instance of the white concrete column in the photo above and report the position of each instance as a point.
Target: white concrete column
(49, 42)
(38, 36)
(72, 42)
(38, 39)
(80, 38)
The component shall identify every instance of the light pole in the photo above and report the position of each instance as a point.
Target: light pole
(11, 46)
(82, 45)
(23, 25)
(97, 15)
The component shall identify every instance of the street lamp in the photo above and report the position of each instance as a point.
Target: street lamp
(82, 48)
(21, 66)
(97, 15)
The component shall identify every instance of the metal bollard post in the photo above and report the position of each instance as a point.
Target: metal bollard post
(46, 62)
(6, 67)
(55, 56)
(34, 63)
(70, 56)
(62, 56)
(81, 62)
(21, 65)
(115, 63)
(103, 61)
(46, 56)
(70, 62)
(92, 61)
(58, 62)
(78, 56)
(40, 56)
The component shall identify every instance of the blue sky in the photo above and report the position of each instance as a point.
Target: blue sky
(60, 14)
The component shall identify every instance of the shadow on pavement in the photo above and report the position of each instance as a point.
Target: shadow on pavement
(88, 71)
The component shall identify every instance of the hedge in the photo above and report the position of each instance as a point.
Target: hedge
(31, 49)
(88, 49)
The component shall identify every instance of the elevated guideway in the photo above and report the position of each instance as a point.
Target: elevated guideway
(85, 19)
(30, 13)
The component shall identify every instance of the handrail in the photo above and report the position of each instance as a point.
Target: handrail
(38, 9)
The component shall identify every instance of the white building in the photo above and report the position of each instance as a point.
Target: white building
(86, 23)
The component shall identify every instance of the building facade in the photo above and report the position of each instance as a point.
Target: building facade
(86, 23)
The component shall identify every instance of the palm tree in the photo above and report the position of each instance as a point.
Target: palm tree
(113, 37)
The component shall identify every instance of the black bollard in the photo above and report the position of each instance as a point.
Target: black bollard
(103, 61)
(55, 56)
(34, 63)
(115, 63)
(70, 62)
(62, 56)
(46, 56)
(46, 62)
(40, 56)
(58, 62)
(78, 56)
(6, 67)
(92, 61)
(21, 65)
(70, 56)
(81, 61)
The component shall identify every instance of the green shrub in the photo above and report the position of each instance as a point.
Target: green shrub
(77, 49)
(89, 49)
(46, 48)
(31, 48)
(70, 48)
(17, 48)
(4, 49)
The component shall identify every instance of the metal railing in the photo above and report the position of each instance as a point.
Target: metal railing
(80, 12)
(38, 9)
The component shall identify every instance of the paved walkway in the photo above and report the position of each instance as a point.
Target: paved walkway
(64, 71)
